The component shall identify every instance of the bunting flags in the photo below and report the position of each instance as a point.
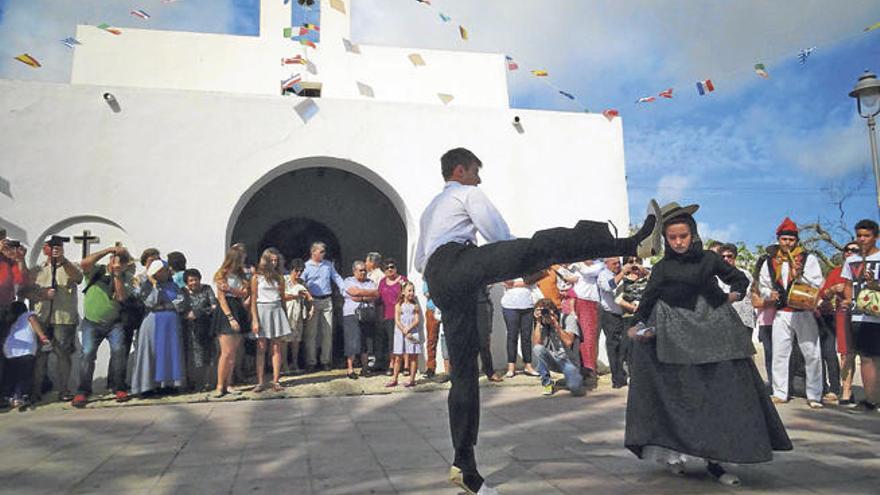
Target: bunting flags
(29, 60)
(337, 5)
(140, 13)
(70, 42)
(610, 113)
(872, 27)
(308, 43)
(666, 93)
(298, 59)
(350, 47)
(704, 87)
(804, 54)
(109, 29)
(293, 82)
(365, 90)
(463, 32)
(761, 71)
(445, 17)
(540, 73)
(646, 99)
(416, 59)
(511, 65)
(567, 95)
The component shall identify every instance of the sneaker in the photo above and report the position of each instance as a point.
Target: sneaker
(651, 234)
(862, 407)
(79, 401)
(122, 396)
(777, 400)
(547, 389)
(366, 373)
(813, 404)
(353, 376)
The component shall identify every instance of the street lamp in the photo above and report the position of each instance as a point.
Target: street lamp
(867, 95)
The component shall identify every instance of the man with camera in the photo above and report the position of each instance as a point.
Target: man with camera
(53, 287)
(107, 287)
(553, 349)
(611, 317)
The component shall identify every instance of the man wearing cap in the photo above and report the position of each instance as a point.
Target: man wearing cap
(53, 287)
(788, 263)
(457, 270)
(106, 288)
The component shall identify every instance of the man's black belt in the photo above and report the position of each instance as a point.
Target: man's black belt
(328, 296)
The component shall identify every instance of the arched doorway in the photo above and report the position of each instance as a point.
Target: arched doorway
(321, 203)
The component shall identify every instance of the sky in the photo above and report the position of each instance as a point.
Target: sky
(750, 153)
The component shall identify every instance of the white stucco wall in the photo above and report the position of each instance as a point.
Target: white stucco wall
(251, 65)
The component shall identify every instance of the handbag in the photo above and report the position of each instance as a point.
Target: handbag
(868, 300)
(366, 313)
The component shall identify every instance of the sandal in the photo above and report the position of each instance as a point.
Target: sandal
(276, 387)
(391, 384)
(531, 373)
(260, 387)
(410, 384)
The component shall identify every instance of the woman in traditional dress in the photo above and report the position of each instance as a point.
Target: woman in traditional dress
(158, 365)
(694, 388)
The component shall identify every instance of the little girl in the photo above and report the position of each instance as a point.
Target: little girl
(22, 343)
(407, 315)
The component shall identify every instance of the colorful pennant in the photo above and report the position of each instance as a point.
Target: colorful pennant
(288, 32)
(29, 60)
(463, 32)
(445, 98)
(292, 82)
(566, 94)
(872, 27)
(610, 113)
(109, 29)
(511, 65)
(646, 99)
(540, 73)
(140, 13)
(666, 93)
(70, 42)
(704, 87)
(308, 43)
(804, 54)
(298, 59)
(761, 71)
(445, 17)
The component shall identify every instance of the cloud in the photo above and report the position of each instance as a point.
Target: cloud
(830, 151)
(37, 26)
(730, 233)
(672, 188)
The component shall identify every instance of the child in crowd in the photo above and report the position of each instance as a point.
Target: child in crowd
(407, 315)
(198, 337)
(23, 341)
(299, 309)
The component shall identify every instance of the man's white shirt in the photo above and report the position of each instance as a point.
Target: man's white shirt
(456, 215)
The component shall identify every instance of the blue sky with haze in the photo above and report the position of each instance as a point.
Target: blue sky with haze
(750, 153)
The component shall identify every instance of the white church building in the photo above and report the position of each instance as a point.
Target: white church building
(201, 149)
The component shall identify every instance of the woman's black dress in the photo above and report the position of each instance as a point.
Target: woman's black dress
(694, 389)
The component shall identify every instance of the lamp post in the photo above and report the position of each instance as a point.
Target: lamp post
(867, 95)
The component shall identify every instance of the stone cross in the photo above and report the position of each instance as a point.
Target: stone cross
(86, 239)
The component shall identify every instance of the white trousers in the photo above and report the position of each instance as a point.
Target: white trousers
(803, 325)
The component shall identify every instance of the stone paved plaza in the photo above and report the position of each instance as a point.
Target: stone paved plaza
(398, 443)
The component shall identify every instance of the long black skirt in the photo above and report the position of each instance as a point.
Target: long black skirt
(718, 411)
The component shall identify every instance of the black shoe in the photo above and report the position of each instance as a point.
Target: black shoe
(353, 376)
(429, 374)
(326, 367)
(650, 235)
(311, 368)
(442, 378)
(618, 385)
(366, 373)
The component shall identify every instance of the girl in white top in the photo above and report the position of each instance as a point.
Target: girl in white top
(20, 348)
(268, 318)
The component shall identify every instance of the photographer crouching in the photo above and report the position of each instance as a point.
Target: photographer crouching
(553, 349)
(53, 287)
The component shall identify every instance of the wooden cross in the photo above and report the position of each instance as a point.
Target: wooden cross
(86, 239)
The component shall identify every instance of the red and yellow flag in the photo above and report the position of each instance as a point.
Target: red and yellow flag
(27, 59)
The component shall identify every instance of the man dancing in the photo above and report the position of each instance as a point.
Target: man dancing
(456, 270)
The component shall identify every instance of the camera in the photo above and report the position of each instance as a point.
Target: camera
(545, 312)
(12, 243)
(57, 240)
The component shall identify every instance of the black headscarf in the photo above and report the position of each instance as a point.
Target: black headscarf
(695, 251)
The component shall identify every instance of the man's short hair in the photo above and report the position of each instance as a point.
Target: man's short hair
(868, 224)
(374, 258)
(356, 264)
(730, 248)
(177, 261)
(714, 244)
(456, 157)
(148, 253)
(191, 272)
(318, 245)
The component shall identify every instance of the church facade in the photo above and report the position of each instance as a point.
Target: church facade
(184, 141)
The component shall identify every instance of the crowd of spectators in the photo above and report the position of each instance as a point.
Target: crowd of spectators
(181, 334)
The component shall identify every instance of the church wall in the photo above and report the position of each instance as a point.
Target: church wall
(171, 167)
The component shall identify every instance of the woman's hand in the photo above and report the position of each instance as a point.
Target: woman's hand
(255, 327)
(233, 324)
